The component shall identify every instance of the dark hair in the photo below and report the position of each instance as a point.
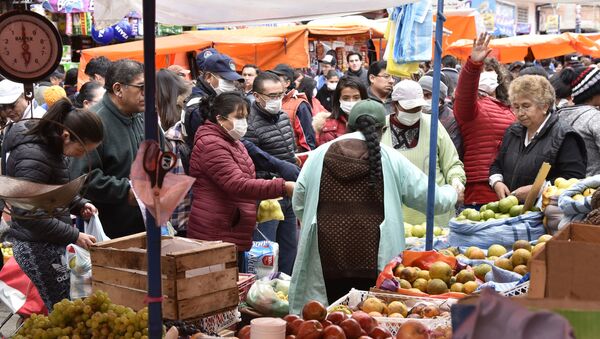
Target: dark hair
(227, 103)
(503, 79)
(534, 70)
(561, 89)
(122, 71)
(307, 85)
(354, 53)
(449, 61)
(298, 73)
(85, 93)
(376, 68)
(169, 86)
(571, 76)
(98, 66)
(371, 130)
(252, 66)
(84, 125)
(261, 78)
(332, 73)
(71, 77)
(346, 82)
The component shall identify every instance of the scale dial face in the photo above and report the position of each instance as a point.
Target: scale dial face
(30, 46)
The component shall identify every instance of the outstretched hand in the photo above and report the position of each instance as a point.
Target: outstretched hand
(480, 48)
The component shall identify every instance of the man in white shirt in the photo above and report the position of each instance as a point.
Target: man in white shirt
(13, 104)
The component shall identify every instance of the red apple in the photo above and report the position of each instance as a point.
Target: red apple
(310, 329)
(326, 323)
(380, 333)
(314, 310)
(412, 330)
(352, 328)
(431, 312)
(244, 333)
(291, 317)
(365, 321)
(294, 326)
(337, 317)
(333, 332)
(289, 320)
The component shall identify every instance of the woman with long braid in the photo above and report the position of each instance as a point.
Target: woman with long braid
(349, 196)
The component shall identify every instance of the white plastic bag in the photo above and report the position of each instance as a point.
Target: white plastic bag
(79, 262)
(263, 258)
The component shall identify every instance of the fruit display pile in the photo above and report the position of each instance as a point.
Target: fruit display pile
(345, 323)
(503, 209)
(560, 185)
(377, 308)
(420, 229)
(439, 279)
(94, 317)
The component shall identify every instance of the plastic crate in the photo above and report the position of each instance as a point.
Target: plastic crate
(520, 289)
(245, 281)
(354, 297)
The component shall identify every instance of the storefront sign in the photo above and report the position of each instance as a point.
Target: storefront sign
(553, 23)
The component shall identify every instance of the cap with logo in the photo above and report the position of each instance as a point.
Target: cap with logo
(10, 91)
(223, 66)
(408, 94)
(203, 55)
(367, 107)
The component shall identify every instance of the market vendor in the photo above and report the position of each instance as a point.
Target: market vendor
(346, 197)
(538, 136)
(409, 132)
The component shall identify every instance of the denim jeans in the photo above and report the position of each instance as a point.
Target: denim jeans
(284, 233)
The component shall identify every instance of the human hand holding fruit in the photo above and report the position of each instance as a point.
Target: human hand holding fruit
(501, 190)
(521, 192)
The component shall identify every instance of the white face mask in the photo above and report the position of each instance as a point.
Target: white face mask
(488, 81)
(408, 119)
(240, 126)
(331, 86)
(346, 106)
(273, 106)
(225, 86)
(427, 106)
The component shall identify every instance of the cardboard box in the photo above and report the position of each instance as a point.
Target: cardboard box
(198, 278)
(566, 267)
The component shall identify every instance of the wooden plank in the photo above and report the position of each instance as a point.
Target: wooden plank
(534, 192)
(134, 298)
(137, 240)
(195, 307)
(133, 260)
(204, 258)
(206, 283)
(131, 279)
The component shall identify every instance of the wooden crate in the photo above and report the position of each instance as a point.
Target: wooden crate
(195, 282)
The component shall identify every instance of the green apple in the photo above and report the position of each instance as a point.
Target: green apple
(418, 231)
(437, 231)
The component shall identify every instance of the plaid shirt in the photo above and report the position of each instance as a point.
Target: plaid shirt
(175, 137)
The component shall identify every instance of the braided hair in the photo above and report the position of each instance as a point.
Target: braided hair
(371, 130)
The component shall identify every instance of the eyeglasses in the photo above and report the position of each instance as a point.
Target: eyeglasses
(521, 108)
(141, 87)
(388, 77)
(273, 96)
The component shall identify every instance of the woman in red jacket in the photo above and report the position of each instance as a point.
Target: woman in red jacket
(226, 188)
(482, 119)
(348, 92)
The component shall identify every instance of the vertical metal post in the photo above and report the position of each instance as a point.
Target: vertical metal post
(151, 132)
(435, 99)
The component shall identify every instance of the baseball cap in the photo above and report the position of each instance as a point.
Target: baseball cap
(203, 55)
(408, 94)
(328, 59)
(10, 91)
(284, 71)
(223, 66)
(367, 107)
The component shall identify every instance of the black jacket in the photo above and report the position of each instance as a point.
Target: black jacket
(325, 97)
(31, 159)
(272, 133)
(557, 144)
(196, 109)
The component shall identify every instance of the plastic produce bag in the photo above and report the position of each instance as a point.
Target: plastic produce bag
(269, 210)
(263, 258)
(269, 297)
(577, 210)
(504, 232)
(79, 262)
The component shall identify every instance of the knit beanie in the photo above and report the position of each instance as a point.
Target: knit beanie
(52, 94)
(586, 85)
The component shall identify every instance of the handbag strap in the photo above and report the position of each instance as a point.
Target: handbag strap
(263, 235)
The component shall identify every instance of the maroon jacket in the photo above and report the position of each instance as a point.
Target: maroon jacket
(482, 121)
(332, 129)
(226, 189)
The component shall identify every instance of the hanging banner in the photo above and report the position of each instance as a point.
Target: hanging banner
(505, 19)
(487, 9)
(69, 6)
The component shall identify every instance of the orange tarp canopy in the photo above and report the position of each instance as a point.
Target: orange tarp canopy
(512, 49)
(355, 25)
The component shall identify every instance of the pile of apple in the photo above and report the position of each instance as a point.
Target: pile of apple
(560, 185)
(420, 229)
(439, 279)
(504, 208)
(376, 307)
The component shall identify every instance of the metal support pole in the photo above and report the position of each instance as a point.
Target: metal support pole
(151, 132)
(435, 99)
